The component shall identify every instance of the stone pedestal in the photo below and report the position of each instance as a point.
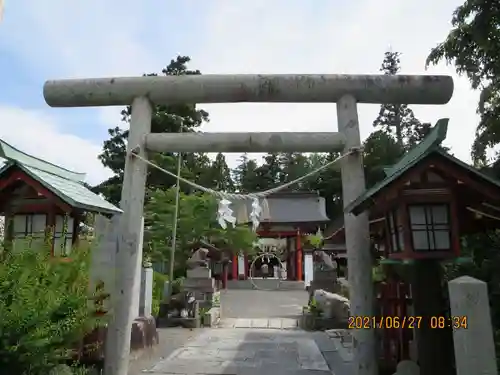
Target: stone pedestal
(199, 281)
(324, 279)
(473, 334)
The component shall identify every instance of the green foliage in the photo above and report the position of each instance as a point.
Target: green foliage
(473, 47)
(314, 308)
(197, 221)
(159, 280)
(44, 309)
(378, 273)
(315, 240)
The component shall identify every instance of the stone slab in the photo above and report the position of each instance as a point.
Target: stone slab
(201, 283)
(256, 323)
(245, 351)
(211, 317)
(196, 273)
(259, 323)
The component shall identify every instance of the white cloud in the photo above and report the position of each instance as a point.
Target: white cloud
(39, 135)
(117, 38)
(338, 42)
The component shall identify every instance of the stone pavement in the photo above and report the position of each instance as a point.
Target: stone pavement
(272, 323)
(263, 304)
(253, 351)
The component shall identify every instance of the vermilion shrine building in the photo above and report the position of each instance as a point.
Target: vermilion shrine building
(39, 200)
(290, 216)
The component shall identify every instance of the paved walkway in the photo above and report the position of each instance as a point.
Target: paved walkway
(258, 335)
(254, 352)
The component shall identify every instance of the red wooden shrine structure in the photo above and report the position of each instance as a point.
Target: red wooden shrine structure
(292, 214)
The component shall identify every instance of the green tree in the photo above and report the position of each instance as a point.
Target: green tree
(473, 46)
(380, 151)
(398, 119)
(327, 183)
(165, 119)
(294, 165)
(245, 175)
(269, 173)
(197, 220)
(220, 174)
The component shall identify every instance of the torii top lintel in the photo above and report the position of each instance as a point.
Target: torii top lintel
(283, 88)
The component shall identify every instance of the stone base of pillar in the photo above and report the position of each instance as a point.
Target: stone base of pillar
(144, 337)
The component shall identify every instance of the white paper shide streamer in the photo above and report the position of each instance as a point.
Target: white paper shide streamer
(225, 214)
(255, 214)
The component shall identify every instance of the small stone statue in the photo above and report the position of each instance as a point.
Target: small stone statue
(181, 305)
(198, 259)
(325, 260)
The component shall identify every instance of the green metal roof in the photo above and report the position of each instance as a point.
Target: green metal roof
(67, 185)
(430, 144)
(11, 153)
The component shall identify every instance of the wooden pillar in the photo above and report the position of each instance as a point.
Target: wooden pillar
(247, 267)
(77, 218)
(434, 345)
(298, 254)
(51, 227)
(235, 267)
(225, 266)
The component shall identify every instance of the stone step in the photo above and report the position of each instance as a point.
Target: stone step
(262, 323)
(266, 284)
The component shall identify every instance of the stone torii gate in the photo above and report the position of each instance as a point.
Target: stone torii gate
(345, 90)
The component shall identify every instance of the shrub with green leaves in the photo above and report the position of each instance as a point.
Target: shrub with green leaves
(159, 280)
(44, 309)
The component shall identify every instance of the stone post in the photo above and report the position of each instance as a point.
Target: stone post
(146, 298)
(138, 271)
(103, 258)
(474, 345)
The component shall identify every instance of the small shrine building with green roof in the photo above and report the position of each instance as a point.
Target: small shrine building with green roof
(418, 215)
(39, 200)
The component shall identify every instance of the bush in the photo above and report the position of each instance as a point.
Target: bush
(43, 308)
(159, 280)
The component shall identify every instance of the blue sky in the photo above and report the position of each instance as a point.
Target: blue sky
(50, 39)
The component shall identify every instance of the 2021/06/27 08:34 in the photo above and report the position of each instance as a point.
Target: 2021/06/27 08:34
(410, 322)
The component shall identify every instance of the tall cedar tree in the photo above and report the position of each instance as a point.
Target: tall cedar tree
(398, 119)
(165, 119)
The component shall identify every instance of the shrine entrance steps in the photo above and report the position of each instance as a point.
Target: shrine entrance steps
(260, 309)
(260, 323)
(265, 284)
